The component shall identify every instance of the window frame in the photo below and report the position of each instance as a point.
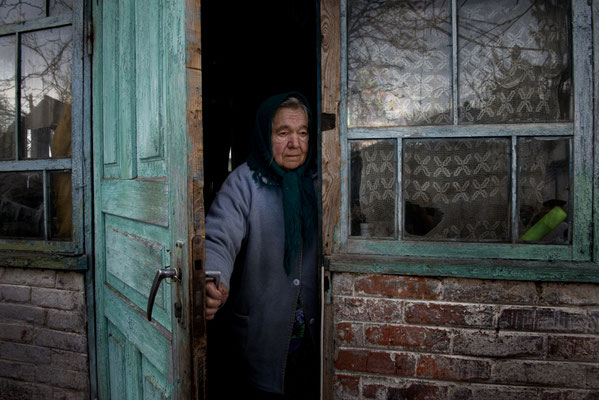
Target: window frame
(76, 164)
(580, 130)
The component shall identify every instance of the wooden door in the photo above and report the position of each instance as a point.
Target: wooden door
(148, 199)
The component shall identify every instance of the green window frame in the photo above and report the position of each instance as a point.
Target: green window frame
(486, 260)
(48, 250)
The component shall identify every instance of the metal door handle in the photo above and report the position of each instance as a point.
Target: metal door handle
(160, 275)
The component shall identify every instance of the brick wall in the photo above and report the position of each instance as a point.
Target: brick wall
(43, 342)
(400, 337)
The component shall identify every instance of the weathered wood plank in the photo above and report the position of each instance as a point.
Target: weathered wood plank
(596, 129)
(196, 273)
(331, 95)
(441, 131)
(108, 79)
(178, 149)
(143, 257)
(126, 112)
(150, 132)
(140, 200)
(583, 125)
(44, 261)
(152, 342)
(455, 249)
(565, 271)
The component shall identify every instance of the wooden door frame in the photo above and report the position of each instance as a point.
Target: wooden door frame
(330, 64)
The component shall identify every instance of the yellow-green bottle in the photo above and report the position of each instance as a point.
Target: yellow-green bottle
(548, 223)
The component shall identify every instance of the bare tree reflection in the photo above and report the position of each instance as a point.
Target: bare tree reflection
(400, 68)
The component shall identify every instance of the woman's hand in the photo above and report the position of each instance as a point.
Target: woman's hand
(215, 297)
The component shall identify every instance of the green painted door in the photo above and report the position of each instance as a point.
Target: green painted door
(147, 161)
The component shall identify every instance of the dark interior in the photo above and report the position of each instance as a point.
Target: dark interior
(250, 51)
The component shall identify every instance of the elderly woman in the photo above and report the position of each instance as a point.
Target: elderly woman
(261, 236)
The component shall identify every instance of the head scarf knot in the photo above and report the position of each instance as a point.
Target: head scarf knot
(299, 199)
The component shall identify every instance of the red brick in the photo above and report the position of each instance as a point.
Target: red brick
(486, 291)
(377, 362)
(449, 314)
(542, 320)
(569, 395)
(578, 294)
(418, 391)
(408, 336)
(349, 334)
(346, 385)
(343, 284)
(350, 308)
(556, 374)
(573, 348)
(493, 344)
(453, 368)
(373, 391)
(364, 309)
(351, 360)
(499, 392)
(398, 286)
(381, 363)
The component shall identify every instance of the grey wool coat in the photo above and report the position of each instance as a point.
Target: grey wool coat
(246, 220)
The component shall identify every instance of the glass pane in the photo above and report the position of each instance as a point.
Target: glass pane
(457, 189)
(60, 7)
(7, 97)
(514, 61)
(61, 209)
(22, 204)
(46, 93)
(21, 10)
(373, 188)
(399, 62)
(544, 189)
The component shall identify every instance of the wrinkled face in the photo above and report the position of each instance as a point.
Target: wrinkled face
(289, 137)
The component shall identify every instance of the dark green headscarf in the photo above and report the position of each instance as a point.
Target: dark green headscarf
(299, 199)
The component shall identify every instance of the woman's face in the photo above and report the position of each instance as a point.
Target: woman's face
(289, 137)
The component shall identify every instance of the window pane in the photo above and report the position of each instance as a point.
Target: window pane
(21, 10)
(7, 97)
(456, 189)
(21, 204)
(373, 188)
(60, 7)
(514, 61)
(399, 62)
(61, 210)
(544, 189)
(46, 93)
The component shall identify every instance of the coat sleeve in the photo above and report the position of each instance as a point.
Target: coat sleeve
(227, 223)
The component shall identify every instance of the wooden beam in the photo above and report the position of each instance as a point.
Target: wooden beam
(330, 25)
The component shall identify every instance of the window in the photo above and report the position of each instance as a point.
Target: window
(41, 125)
(467, 128)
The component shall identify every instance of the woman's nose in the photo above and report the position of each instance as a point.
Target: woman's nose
(293, 140)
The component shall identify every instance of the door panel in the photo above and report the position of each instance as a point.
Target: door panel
(143, 213)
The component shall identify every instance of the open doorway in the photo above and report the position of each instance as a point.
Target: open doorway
(250, 51)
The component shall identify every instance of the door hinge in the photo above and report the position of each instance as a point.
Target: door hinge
(89, 37)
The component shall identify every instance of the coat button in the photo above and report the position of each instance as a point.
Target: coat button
(312, 321)
(296, 282)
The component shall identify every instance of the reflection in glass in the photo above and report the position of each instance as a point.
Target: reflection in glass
(456, 189)
(60, 6)
(61, 210)
(373, 182)
(7, 97)
(46, 93)
(399, 62)
(21, 10)
(21, 204)
(514, 61)
(543, 185)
